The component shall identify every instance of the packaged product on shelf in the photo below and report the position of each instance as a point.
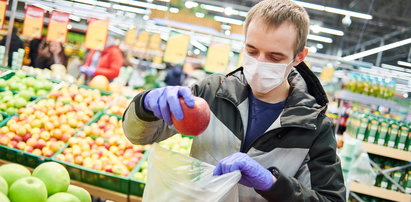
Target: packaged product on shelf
(403, 135)
(372, 132)
(407, 183)
(393, 139)
(362, 129)
(397, 177)
(382, 135)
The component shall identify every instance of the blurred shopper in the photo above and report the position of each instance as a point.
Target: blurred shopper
(15, 44)
(36, 46)
(52, 53)
(175, 76)
(107, 62)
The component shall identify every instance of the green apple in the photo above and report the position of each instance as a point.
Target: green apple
(54, 175)
(20, 102)
(63, 197)
(80, 193)
(12, 172)
(41, 93)
(3, 83)
(20, 74)
(3, 198)
(1, 117)
(25, 95)
(4, 187)
(28, 189)
(11, 110)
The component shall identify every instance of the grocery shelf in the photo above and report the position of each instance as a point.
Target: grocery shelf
(365, 99)
(379, 192)
(387, 151)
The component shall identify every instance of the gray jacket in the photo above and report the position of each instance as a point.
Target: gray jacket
(300, 143)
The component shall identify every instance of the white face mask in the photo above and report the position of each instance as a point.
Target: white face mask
(264, 76)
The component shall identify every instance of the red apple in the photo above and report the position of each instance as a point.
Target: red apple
(196, 119)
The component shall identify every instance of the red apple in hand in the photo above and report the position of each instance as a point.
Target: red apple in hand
(195, 119)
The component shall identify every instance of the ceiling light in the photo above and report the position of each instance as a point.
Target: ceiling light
(146, 17)
(69, 26)
(392, 67)
(174, 10)
(212, 8)
(230, 11)
(402, 63)
(197, 52)
(242, 13)
(43, 7)
(319, 38)
(200, 15)
(75, 18)
(317, 29)
(130, 9)
(228, 20)
(227, 32)
(334, 10)
(377, 50)
(93, 2)
(320, 46)
(199, 45)
(149, 1)
(312, 49)
(190, 4)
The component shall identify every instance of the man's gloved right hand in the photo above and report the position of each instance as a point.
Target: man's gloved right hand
(164, 101)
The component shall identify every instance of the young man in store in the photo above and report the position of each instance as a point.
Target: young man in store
(267, 118)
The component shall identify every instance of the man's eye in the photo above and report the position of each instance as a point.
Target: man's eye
(276, 59)
(252, 52)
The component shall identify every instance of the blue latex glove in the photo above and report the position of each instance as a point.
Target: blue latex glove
(164, 101)
(89, 71)
(253, 174)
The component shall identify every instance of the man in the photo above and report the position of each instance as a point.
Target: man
(267, 118)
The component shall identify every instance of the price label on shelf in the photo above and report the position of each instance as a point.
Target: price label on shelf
(96, 35)
(33, 22)
(57, 30)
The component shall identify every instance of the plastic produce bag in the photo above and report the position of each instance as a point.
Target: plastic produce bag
(175, 177)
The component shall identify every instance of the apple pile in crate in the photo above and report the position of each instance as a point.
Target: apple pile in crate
(103, 146)
(44, 127)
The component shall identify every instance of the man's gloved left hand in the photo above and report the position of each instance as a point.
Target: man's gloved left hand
(253, 174)
(89, 71)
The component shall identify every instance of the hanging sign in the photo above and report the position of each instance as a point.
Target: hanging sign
(176, 49)
(3, 8)
(155, 41)
(33, 22)
(217, 57)
(96, 35)
(142, 39)
(57, 30)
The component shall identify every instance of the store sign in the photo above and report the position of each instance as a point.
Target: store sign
(142, 40)
(217, 57)
(96, 35)
(57, 30)
(33, 22)
(176, 49)
(327, 74)
(3, 8)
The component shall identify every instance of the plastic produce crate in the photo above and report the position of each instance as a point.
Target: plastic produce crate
(137, 186)
(21, 157)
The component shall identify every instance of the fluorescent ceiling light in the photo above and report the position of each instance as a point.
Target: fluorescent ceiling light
(242, 13)
(319, 38)
(199, 45)
(377, 50)
(116, 30)
(230, 11)
(334, 10)
(174, 10)
(43, 7)
(190, 4)
(103, 4)
(317, 29)
(212, 8)
(75, 18)
(402, 63)
(392, 67)
(93, 2)
(200, 15)
(228, 20)
(142, 4)
(130, 9)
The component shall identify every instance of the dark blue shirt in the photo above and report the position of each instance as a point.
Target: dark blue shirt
(260, 117)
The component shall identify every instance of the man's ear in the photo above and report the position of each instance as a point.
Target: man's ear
(300, 57)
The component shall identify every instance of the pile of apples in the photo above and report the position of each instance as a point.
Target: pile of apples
(44, 127)
(91, 98)
(103, 146)
(177, 143)
(33, 86)
(119, 106)
(49, 182)
(10, 103)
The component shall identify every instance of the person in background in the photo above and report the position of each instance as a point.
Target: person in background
(175, 76)
(36, 46)
(15, 44)
(107, 62)
(52, 53)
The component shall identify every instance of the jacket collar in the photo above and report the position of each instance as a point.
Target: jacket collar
(305, 102)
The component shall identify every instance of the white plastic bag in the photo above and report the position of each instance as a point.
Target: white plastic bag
(175, 177)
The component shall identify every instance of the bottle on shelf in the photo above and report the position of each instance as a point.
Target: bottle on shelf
(393, 132)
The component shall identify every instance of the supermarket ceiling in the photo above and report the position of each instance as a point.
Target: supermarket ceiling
(373, 23)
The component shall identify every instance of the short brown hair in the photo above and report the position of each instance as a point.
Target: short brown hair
(275, 12)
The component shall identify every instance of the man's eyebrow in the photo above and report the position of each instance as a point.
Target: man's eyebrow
(272, 53)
